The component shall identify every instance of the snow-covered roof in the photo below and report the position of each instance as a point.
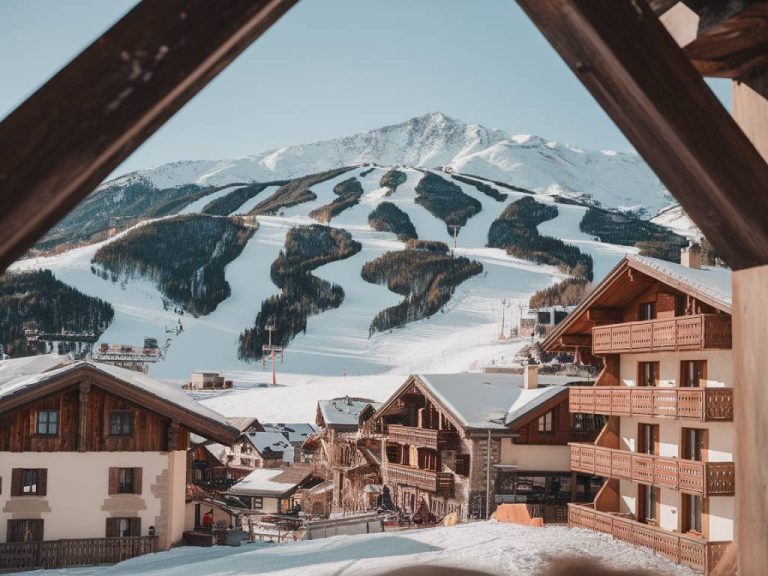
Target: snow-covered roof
(21, 384)
(295, 432)
(29, 366)
(270, 442)
(344, 411)
(271, 481)
(489, 401)
(218, 451)
(713, 281)
(242, 423)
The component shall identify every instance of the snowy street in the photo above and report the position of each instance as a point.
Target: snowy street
(502, 549)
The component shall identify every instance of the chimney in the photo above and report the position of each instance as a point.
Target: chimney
(530, 376)
(690, 256)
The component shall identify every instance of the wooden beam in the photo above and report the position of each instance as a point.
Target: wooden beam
(567, 340)
(636, 71)
(750, 109)
(605, 315)
(75, 130)
(82, 431)
(750, 417)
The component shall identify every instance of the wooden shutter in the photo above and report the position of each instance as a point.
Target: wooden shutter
(42, 481)
(462, 464)
(114, 480)
(16, 478)
(135, 524)
(113, 527)
(14, 531)
(137, 480)
(37, 530)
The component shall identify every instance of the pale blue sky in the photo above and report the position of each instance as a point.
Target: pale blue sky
(336, 67)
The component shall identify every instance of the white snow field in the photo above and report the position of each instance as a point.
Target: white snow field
(500, 549)
(336, 345)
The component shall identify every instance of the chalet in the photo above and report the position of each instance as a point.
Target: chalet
(351, 460)
(537, 321)
(465, 442)
(201, 380)
(93, 451)
(663, 333)
(275, 491)
(296, 434)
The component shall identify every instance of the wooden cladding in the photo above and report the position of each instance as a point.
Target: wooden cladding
(697, 332)
(683, 548)
(440, 483)
(703, 479)
(29, 482)
(85, 422)
(699, 404)
(423, 437)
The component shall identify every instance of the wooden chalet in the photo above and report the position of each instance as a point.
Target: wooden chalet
(663, 332)
(467, 442)
(350, 458)
(276, 491)
(92, 455)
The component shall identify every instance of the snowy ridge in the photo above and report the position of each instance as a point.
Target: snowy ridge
(612, 178)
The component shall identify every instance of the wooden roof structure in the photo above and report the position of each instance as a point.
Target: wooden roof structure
(71, 133)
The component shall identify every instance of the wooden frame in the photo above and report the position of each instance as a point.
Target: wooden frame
(704, 444)
(75, 130)
(641, 382)
(642, 512)
(642, 447)
(702, 378)
(685, 502)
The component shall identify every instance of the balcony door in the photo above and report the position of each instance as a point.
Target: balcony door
(648, 373)
(693, 373)
(648, 439)
(693, 514)
(648, 500)
(693, 444)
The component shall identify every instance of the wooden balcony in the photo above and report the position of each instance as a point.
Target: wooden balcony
(423, 437)
(437, 482)
(703, 479)
(73, 552)
(697, 332)
(682, 548)
(699, 404)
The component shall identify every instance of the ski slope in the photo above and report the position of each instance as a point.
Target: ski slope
(335, 353)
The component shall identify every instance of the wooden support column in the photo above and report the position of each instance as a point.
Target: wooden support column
(750, 417)
(173, 436)
(75, 130)
(648, 86)
(750, 109)
(82, 430)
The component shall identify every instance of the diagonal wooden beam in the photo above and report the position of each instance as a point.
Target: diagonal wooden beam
(70, 134)
(636, 71)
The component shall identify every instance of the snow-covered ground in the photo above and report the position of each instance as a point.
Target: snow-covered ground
(502, 549)
(335, 355)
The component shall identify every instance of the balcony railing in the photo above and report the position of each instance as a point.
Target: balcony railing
(683, 548)
(73, 552)
(697, 332)
(700, 404)
(690, 476)
(423, 437)
(438, 482)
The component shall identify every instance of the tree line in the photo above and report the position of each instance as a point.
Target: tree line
(37, 300)
(184, 256)
(302, 294)
(348, 194)
(516, 231)
(295, 192)
(387, 217)
(392, 179)
(445, 200)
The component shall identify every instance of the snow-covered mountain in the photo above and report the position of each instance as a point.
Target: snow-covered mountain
(614, 179)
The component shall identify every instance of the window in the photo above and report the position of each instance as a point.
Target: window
(693, 512)
(647, 373)
(647, 310)
(462, 464)
(547, 423)
(692, 373)
(48, 422)
(120, 423)
(648, 499)
(25, 531)
(123, 527)
(648, 439)
(693, 444)
(257, 503)
(28, 482)
(125, 480)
